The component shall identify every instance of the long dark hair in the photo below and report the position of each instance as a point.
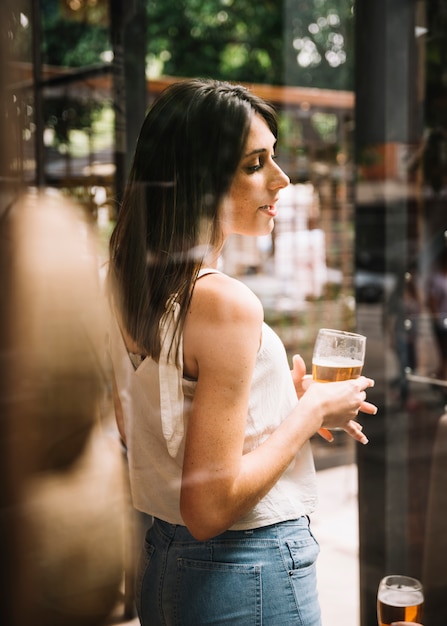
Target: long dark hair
(187, 153)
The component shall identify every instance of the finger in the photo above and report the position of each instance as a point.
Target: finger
(354, 430)
(326, 434)
(299, 366)
(367, 407)
(365, 382)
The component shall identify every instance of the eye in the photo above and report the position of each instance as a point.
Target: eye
(254, 168)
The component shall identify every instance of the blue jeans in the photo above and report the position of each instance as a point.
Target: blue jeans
(265, 576)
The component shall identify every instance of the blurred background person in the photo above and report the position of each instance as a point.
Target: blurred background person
(437, 305)
(64, 471)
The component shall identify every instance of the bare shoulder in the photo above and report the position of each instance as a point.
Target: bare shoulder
(226, 299)
(224, 323)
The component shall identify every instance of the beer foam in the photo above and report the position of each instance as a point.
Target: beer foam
(401, 596)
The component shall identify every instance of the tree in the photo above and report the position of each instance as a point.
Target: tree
(220, 38)
(70, 39)
(297, 42)
(318, 41)
(293, 42)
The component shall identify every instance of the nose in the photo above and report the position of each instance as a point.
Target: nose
(279, 178)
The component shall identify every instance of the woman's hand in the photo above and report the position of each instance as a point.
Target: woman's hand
(339, 402)
(303, 381)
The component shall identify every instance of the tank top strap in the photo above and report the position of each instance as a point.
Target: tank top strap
(207, 270)
(171, 378)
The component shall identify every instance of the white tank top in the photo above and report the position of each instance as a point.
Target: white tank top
(155, 398)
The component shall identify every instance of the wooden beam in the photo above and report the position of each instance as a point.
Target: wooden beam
(298, 96)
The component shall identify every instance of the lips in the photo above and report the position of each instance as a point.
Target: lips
(270, 209)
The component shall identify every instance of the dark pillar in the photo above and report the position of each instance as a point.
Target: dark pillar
(39, 153)
(15, 588)
(386, 124)
(119, 95)
(135, 47)
(129, 42)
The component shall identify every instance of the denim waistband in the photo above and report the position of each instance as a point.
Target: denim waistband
(181, 533)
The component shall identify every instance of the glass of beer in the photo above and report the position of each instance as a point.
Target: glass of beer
(399, 599)
(338, 355)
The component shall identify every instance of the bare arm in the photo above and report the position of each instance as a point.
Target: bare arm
(220, 484)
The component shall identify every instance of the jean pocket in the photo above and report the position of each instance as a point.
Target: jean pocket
(303, 555)
(211, 592)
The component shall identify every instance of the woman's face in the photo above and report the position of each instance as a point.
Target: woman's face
(250, 205)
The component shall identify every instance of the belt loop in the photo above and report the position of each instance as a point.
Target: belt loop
(165, 528)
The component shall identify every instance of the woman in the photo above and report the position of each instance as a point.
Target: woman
(437, 305)
(218, 444)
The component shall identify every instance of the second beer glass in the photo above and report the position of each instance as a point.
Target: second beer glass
(399, 598)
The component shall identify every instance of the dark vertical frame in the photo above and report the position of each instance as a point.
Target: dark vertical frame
(128, 33)
(37, 95)
(388, 120)
(15, 594)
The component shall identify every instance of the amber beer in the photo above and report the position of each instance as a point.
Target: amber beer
(397, 608)
(336, 368)
(399, 599)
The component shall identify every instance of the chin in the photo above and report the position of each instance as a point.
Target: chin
(267, 228)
